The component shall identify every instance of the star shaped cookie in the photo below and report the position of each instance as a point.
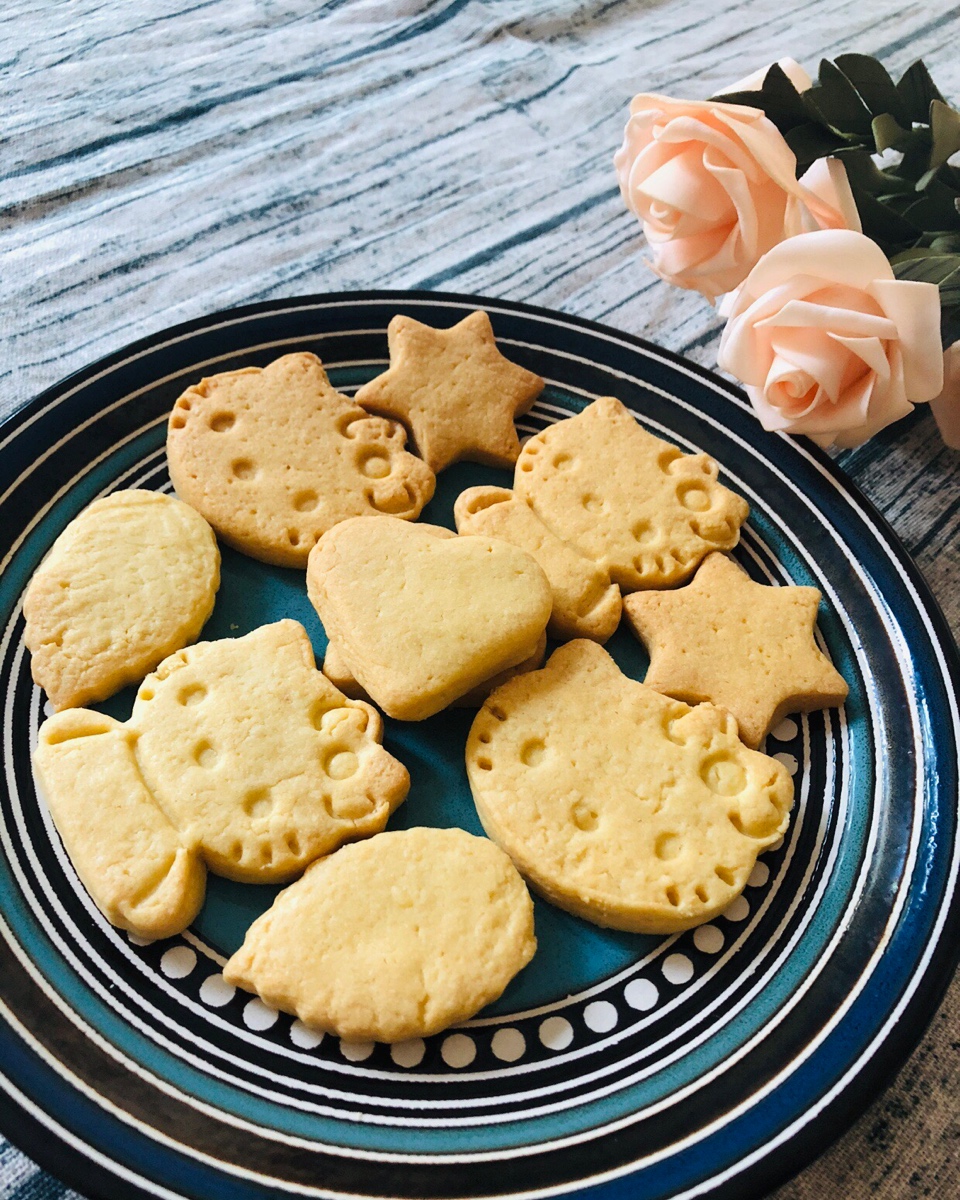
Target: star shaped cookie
(743, 646)
(454, 391)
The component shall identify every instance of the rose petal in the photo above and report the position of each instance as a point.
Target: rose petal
(765, 145)
(869, 349)
(834, 255)
(803, 314)
(806, 349)
(915, 310)
(827, 197)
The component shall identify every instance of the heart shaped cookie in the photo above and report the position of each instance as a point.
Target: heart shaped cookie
(420, 616)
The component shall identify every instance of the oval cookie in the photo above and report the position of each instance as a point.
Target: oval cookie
(627, 808)
(130, 580)
(274, 457)
(393, 938)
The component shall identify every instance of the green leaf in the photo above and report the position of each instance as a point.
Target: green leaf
(892, 232)
(917, 91)
(810, 142)
(945, 132)
(864, 173)
(941, 269)
(945, 243)
(889, 134)
(834, 102)
(876, 88)
(933, 210)
(777, 98)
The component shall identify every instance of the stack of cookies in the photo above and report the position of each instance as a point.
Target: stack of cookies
(637, 806)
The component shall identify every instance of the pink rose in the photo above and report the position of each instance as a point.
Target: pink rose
(715, 187)
(829, 343)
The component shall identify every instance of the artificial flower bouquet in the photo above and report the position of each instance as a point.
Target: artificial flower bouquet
(824, 219)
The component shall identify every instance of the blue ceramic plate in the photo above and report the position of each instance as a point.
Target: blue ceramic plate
(716, 1062)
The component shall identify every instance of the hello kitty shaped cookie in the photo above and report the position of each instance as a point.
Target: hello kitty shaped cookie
(239, 756)
(629, 809)
(635, 505)
(274, 457)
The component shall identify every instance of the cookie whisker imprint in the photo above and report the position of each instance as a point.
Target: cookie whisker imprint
(239, 756)
(648, 818)
(274, 457)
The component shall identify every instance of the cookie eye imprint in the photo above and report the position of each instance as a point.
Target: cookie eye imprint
(239, 755)
(438, 924)
(270, 487)
(648, 817)
(137, 561)
(633, 505)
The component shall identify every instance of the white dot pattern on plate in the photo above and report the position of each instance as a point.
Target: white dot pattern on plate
(216, 992)
(408, 1054)
(508, 1045)
(458, 1050)
(136, 940)
(788, 760)
(708, 939)
(600, 1016)
(556, 1033)
(786, 731)
(677, 968)
(355, 1051)
(259, 1016)
(641, 994)
(304, 1037)
(759, 875)
(739, 910)
(178, 962)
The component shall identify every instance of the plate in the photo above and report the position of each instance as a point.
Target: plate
(716, 1062)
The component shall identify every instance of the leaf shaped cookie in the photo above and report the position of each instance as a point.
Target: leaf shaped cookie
(393, 938)
(627, 808)
(631, 503)
(420, 616)
(253, 759)
(275, 457)
(131, 579)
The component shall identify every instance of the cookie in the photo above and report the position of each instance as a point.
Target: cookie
(337, 671)
(249, 753)
(420, 616)
(739, 644)
(635, 505)
(142, 875)
(453, 390)
(629, 809)
(130, 580)
(585, 602)
(275, 457)
(394, 938)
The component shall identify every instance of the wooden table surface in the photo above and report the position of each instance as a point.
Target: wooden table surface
(164, 159)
